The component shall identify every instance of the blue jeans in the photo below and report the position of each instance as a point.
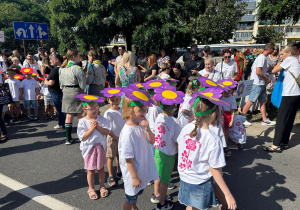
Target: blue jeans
(57, 99)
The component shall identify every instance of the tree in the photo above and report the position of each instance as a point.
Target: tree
(217, 23)
(268, 34)
(278, 10)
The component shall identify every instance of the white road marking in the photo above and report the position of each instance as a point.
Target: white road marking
(33, 194)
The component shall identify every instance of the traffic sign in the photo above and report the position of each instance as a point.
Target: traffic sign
(36, 31)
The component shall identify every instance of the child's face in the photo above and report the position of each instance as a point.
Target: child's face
(226, 94)
(91, 110)
(10, 75)
(114, 102)
(139, 112)
(28, 76)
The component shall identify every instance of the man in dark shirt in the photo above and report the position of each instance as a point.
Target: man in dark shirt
(53, 86)
(192, 67)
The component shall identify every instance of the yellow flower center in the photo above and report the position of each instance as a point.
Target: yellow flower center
(211, 83)
(155, 84)
(227, 83)
(139, 85)
(113, 91)
(140, 95)
(90, 97)
(169, 94)
(208, 94)
(26, 70)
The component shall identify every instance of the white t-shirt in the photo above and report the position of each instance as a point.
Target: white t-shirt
(228, 69)
(218, 130)
(29, 86)
(35, 66)
(2, 65)
(164, 76)
(260, 61)
(237, 132)
(231, 101)
(133, 143)
(14, 87)
(197, 154)
(45, 91)
(289, 85)
(114, 117)
(213, 75)
(166, 132)
(96, 137)
(153, 112)
(183, 119)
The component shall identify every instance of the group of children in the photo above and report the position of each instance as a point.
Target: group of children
(145, 138)
(26, 90)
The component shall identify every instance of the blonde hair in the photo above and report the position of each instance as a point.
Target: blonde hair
(45, 62)
(209, 58)
(128, 58)
(71, 54)
(258, 51)
(94, 54)
(204, 105)
(126, 109)
(288, 49)
(13, 59)
(165, 66)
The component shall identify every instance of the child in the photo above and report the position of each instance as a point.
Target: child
(48, 101)
(200, 156)
(92, 130)
(30, 89)
(136, 159)
(114, 116)
(185, 113)
(14, 87)
(228, 116)
(166, 132)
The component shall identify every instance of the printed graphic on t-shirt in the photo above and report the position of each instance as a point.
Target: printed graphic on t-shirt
(159, 142)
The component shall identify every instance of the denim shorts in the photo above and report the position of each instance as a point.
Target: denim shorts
(31, 104)
(132, 199)
(200, 196)
(258, 92)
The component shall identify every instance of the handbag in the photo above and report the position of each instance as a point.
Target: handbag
(277, 90)
(5, 95)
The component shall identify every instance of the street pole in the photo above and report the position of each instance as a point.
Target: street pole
(24, 48)
(42, 43)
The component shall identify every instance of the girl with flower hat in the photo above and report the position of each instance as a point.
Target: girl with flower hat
(200, 155)
(136, 159)
(92, 131)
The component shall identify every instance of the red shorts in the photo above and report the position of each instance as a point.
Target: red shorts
(227, 119)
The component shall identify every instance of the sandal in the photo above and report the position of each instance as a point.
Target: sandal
(119, 175)
(272, 149)
(4, 139)
(284, 146)
(92, 194)
(103, 192)
(111, 181)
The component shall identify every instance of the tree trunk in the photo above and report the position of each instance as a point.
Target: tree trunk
(128, 38)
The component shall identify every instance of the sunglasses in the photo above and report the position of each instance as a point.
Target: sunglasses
(227, 57)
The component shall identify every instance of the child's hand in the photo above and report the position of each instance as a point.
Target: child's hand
(230, 124)
(136, 182)
(94, 124)
(230, 202)
(145, 124)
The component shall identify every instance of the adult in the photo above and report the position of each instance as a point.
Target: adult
(119, 59)
(2, 64)
(165, 71)
(153, 68)
(206, 52)
(46, 67)
(72, 82)
(3, 137)
(258, 91)
(30, 62)
(128, 73)
(39, 55)
(16, 61)
(163, 58)
(249, 61)
(209, 70)
(290, 99)
(52, 51)
(142, 60)
(52, 81)
(272, 61)
(111, 74)
(196, 64)
(18, 55)
(228, 68)
(180, 75)
(187, 55)
(296, 48)
(96, 74)
(240, 60)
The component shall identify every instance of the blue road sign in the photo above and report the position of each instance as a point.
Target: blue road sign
(36, 31)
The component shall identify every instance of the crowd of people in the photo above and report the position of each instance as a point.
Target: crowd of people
(158, 111)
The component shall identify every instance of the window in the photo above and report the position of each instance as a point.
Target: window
(298, 29)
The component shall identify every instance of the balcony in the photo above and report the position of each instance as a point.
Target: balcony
(292, 34)
(242, 39)
(242, 28)
(248, 18)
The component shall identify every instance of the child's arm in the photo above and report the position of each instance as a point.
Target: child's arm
(103, 131)
(217, 174)
(136, 182)
(186, 112)
(38, 96)
(150, 135)
(116, 138)
(232, 118)
(89, 132)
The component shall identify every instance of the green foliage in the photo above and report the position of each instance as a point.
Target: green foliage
(278, 10)
(268, 34)
(217, 23)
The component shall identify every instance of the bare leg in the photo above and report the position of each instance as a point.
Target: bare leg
(46, 110)
(163, 187)
(156, 187)
(191, 208)
(69, 118)
(91, 179)
(110, 166)
(127, 206)
(101, 175)
(246, 107)
(11, 110)
(28, 112)
(263, 110)
(36, 112)
(51, 110)
(118, 164)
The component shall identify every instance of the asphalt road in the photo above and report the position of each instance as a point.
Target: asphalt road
(37, 157)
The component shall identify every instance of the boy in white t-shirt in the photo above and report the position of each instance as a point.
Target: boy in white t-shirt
(114, 116)
(30, 89)
(48, 101)
(14, 87)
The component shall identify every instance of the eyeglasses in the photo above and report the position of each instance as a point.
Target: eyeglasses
(226, 57)
(92, 109)
(119, 49)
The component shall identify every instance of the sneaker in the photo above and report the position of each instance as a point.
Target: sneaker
(167, 205)
(171, 186)
(68, 142)
(57, 127)
(155, 199)
(247, 123)
(13, 120)
(35, 118)
(268, 122)
(150, 183)
(30, 118)
(60, 130)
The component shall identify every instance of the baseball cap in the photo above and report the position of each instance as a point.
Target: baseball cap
(206, 48)
(40, 48)
(194, 49)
